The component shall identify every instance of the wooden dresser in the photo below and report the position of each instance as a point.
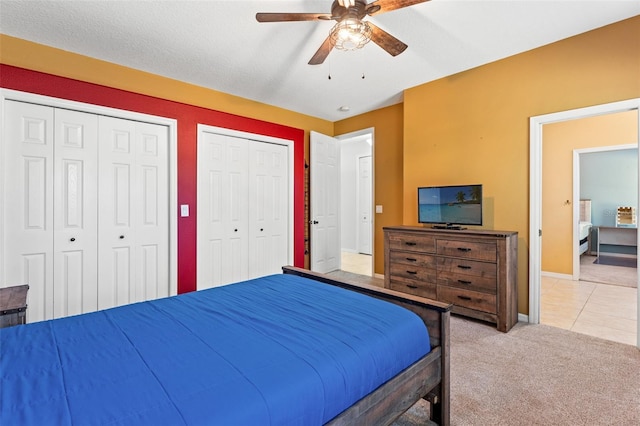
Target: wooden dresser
(475, 270)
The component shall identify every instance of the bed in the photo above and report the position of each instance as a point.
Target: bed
(584, 239)
(292, 348)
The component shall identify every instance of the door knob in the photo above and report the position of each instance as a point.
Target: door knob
(72, 239)
(261, 229)
(122, 237)
(235, 230)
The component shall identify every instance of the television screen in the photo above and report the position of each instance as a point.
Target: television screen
(450, 205)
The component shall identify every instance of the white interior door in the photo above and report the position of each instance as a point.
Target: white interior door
(268, 208)
(364, 205)
(325, 202)
(223, 212)
(133, 211)
(75, 213)
(27, 174)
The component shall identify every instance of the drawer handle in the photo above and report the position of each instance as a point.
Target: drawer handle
(464, 282)
(464, 249)
(411, 259)
(409, 243)
(464, 267)
(464, 297)
(412, 286)
(412, 272)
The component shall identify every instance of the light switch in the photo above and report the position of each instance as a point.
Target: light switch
(379, 208)
(184, 210)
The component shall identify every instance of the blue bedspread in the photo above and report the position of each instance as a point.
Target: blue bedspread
(279, 350)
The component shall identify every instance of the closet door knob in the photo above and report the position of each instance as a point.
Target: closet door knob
(72, 239)
(261, 229)
(122, 237)
(235, 230)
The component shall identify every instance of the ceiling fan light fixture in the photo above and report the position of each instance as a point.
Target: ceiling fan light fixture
(350, 34)
(347, 3)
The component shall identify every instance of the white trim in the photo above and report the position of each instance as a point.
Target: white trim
(535, 188)
(172, 124)
(523, 318)
(557, 275)
(203, 128)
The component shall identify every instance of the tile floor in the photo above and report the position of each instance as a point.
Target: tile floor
(356, 263)
(602, 310)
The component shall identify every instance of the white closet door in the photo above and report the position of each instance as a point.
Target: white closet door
(222, 210)
(133, 206)
(27, 167)
(268, 208)
(151, 212)
(75, 213)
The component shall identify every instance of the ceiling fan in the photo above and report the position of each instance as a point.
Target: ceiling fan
(350, 32)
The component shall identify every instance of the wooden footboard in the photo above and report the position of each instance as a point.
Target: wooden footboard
(427, 378)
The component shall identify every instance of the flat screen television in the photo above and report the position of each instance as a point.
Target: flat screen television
(450, 206)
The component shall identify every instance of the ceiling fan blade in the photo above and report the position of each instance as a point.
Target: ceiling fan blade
(322, 52)
(284, 17)
(392, 45)
(381, 6)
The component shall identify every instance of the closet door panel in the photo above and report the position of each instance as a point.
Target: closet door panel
(151, 212)
(75, 213)
(222, 210)
(27, 209)
(116, 235)
(268, 208)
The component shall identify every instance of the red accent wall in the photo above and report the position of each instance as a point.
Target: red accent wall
(188, 117)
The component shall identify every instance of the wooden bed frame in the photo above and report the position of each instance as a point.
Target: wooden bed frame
(427, 378)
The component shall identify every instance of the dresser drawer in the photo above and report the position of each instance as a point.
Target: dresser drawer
(468, 299)
(468, 249)
(412, 242)
(410, 272)
(468, 282)
(416, 288)
(469, 274)
(412, 259)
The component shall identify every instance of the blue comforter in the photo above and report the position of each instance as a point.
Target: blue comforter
(279, 350)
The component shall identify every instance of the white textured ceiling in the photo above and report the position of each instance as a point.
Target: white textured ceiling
(220, 45)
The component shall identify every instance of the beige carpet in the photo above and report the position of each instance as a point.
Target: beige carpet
(537, 375)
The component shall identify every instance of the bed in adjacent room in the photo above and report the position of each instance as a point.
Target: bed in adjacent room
(296, 348)
(584, 238)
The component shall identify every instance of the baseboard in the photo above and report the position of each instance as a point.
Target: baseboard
(556, 275)
(381, 276)
(523, 317)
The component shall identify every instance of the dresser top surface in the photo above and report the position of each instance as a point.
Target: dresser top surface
(452, 232)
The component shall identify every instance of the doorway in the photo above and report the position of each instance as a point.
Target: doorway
(536, 200)
(356, 202)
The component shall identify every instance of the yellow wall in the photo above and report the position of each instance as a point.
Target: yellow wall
(387, 157)
(559, 141)
(473, 127)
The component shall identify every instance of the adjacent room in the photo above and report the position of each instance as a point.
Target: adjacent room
(586, 275)
(390, 212)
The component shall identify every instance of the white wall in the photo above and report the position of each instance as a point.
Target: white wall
(350, 150)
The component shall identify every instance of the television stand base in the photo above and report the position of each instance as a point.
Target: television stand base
(455, 227)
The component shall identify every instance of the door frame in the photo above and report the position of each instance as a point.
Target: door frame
(204, 128)
(172, 125)
(536, 124)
